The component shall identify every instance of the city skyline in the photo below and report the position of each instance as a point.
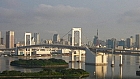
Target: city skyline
(66, 37)
(113, 18)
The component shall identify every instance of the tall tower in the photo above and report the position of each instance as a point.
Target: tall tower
(10, 39)
(73, 36)
(138, 41)
(56, 38)
(129, 42)
(111, 43)
(0, 38)
(36, 38)
(70, 38)
(96, 40)
(97, 32)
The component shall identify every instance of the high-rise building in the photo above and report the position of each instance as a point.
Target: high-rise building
(36, 38)
(95, 41)
(129, 42)
(121, 43)
(111, 43)
(0, 37)
(9, 39)
(137, 44)
(56, 38)
(70, 38)
(32, 41)
(132, 39)
(2, 41)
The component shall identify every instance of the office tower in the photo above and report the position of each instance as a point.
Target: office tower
(129, 42)
(9, 39)
(70, 39)
(2, 41)
(132, 39)
(137, 41)
(111, 43)
(0, 37)
(56, 38)
(121, 43)
(36, 38)
(95, 41)
(32, 41)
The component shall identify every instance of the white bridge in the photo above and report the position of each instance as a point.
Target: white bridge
(94, 58)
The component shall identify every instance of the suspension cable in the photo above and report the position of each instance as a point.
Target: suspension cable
(66, 34)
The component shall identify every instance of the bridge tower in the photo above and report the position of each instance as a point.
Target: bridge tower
(73, 36)
(76, 52)
(27, 43)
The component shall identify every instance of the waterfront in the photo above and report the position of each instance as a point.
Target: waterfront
(128, 70)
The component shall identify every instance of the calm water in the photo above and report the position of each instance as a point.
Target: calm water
(127, 71)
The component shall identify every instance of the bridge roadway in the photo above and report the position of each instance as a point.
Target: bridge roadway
(70, 47)
(47, 45)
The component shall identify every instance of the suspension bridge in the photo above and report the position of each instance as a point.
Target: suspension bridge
(95, 56)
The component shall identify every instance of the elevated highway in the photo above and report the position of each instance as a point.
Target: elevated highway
(106, 50)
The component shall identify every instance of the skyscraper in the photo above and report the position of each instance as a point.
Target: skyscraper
(9, 39)
(137, 41)
(36, 38)
(70, 39)
(95, 41)
(56, 38)
(111, 43)
(129, 42)
(121, 43)
(0, 38)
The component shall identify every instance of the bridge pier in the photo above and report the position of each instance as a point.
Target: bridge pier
(27, 38)
(72, 56)
(76, 53)
(120, 60)
(112, 59)
(97, 59)
(25, 53)
(79, 56)
(28, 51)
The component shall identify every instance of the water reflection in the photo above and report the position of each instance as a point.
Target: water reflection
(113, 76)
(128, 70)
(112, 72)
(75, 65)
(120, 72)
(96, 71)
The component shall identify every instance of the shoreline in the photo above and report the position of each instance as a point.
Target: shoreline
(48, 76)
(48, 66)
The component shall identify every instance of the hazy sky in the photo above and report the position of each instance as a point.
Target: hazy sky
(113, 18)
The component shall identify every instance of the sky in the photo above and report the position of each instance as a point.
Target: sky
(118, 19)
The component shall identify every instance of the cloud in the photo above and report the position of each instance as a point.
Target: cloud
(62, 10)
(45, 14)
(132, 16)
(60, 13)
(45, 18)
